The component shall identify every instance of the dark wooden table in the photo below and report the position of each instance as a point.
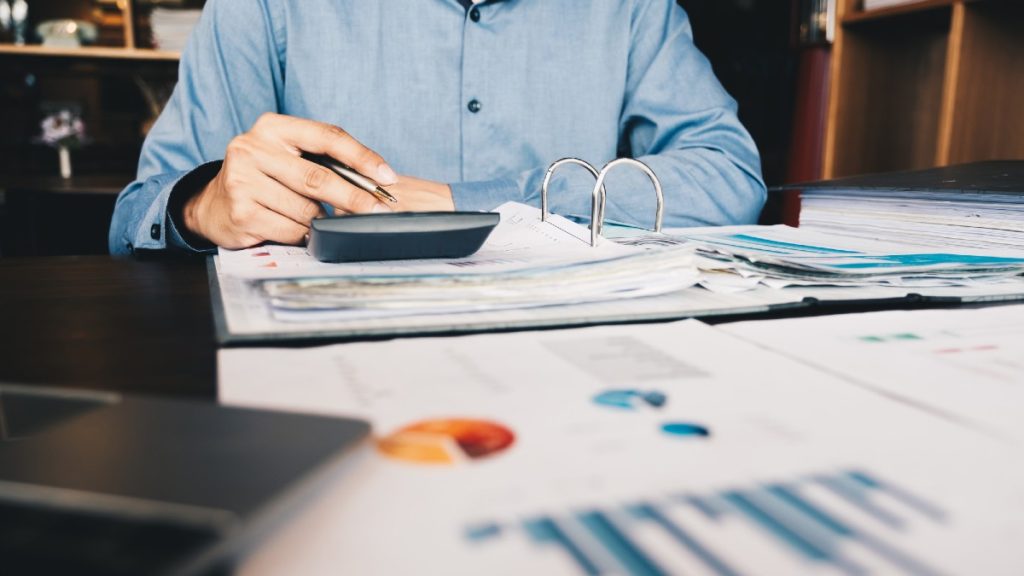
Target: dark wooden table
(142, 325)
(98, 322)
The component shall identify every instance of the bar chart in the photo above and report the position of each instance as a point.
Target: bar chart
(846, 522)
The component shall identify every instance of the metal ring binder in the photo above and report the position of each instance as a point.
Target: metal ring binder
(599, 196)
(659, 213)
(596, 208)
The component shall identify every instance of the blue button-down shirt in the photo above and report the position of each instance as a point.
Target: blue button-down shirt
(482, 103)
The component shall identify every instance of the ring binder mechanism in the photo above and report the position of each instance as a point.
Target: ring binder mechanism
(599, 195)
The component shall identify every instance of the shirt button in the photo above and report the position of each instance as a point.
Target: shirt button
(474, 106)
(154, 231)
(474, 14)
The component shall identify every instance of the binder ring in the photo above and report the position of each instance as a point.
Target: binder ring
(599, 188)
(597, 200)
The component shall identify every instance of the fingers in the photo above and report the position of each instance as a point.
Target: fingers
(269, 225)
(266, 191)
(303, 135)
(277, 197)
(246, 209)
(314, 181)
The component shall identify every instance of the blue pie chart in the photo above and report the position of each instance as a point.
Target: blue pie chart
(631, 399)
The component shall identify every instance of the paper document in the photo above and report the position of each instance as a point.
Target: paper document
(248, 314)
(539, 274)
(781, 256)
(631, 276)
(520, 241)
(946, 219)
(525, 264)
(966, 364)
(650, 449)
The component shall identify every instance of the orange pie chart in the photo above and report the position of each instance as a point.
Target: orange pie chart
(446, 441)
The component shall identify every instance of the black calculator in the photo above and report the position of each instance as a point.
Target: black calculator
(399, 236)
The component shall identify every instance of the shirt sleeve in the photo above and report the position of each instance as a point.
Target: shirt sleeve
(678, 120)
(222, 90)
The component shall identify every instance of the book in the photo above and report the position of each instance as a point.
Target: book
(977, 206)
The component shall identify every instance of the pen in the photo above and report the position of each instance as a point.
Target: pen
(352, 177)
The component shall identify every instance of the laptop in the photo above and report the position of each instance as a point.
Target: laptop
(100, 483)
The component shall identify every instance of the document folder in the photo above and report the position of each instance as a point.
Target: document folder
(1002, 177)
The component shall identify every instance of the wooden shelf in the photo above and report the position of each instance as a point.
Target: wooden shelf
(987, 89)
(882, 13)
(927, 84)
(102, 52)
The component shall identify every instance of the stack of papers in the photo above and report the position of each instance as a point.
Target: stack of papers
(949, 219)
(411, 294)
(782, 256)
(172, 27)
(524, 264)
(532, 274)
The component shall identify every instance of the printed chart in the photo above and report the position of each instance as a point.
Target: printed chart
(846, 522)
(446, 441)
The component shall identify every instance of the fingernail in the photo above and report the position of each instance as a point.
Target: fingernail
(385, 175)
(380, 208)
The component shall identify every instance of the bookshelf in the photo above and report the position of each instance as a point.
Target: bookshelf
(924, 84)
(116, 84)
(121, 22)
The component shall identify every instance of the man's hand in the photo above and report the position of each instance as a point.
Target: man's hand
(266, 191)
(418, 195)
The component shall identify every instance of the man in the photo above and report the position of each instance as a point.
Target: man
(450, 104)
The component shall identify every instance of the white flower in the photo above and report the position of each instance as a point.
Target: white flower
(62, 129)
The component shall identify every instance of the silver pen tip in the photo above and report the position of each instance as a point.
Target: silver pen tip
(387, 195)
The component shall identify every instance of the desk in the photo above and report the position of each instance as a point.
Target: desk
(124, 324)
(108, 323)
(132, 325)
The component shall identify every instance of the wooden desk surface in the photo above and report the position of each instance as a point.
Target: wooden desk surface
(144, 326)
(108, 323)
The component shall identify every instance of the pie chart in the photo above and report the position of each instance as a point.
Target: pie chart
(446, 441)
(631, 399)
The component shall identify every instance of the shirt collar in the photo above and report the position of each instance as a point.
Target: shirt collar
(467, 4)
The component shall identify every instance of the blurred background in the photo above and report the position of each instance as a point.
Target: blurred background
(826, 88)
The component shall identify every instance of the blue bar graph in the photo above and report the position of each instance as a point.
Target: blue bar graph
(703, 506)
(632, 558)
(907, 498)
(857, 495)
(546, 531)
(610, 539)
(779, 528)
(790, 497)
(711, 560)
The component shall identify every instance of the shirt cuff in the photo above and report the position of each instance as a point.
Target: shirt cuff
(184, 190)
(485, 195)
